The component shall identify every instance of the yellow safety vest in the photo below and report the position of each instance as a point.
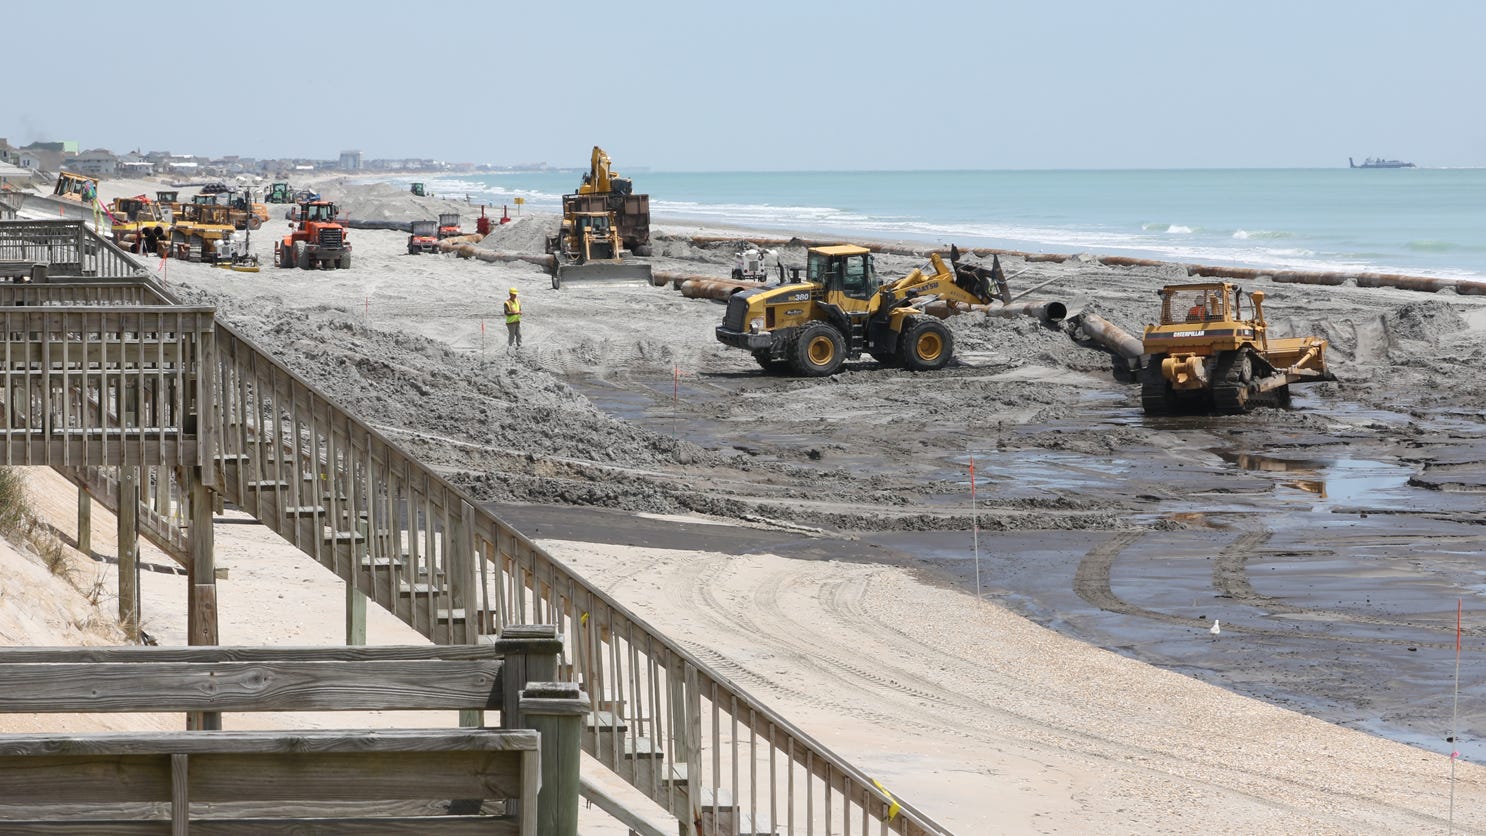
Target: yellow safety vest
(513, 311)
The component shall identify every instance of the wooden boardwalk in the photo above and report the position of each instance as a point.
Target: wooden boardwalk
(165, 414)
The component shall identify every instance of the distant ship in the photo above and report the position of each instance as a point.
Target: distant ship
(1372, 162)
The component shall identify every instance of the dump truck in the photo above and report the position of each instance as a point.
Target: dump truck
(587, 247)
(317, 239)
(424, 237)
(841, 310)
(1212, 351)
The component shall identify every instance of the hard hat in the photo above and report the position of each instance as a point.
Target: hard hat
(513, 291)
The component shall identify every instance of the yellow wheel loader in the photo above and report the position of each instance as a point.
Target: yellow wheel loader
(1212, 351)
(841, 311)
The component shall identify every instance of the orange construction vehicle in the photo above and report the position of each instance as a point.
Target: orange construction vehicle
(316, 240)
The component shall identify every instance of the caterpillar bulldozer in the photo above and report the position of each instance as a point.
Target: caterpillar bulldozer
(202, 232)
(1212, 351)
(841, 310)
(79, 187)
(587, 248)
(316, 239)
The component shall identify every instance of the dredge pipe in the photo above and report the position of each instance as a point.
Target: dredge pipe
(1420, 283)
(1110, 336)
(1292, 277)
(546, 262)
(357, 223)
(714, 288)
(1050, 312)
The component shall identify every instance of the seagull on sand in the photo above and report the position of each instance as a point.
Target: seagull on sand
(1215, 629)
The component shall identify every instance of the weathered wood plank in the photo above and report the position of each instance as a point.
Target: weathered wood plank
(441, 825)
(127, 653)
(250, 686)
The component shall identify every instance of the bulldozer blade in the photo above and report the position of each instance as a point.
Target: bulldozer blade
(601, 272)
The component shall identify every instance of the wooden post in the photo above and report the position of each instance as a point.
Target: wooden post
(355, 615)
(201, 618)
(555, 710)
(129, 550)
(529, 653)
(84, 521)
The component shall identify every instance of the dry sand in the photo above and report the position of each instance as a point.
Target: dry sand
(978, 716)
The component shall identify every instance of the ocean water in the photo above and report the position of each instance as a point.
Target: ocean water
(1418, 221)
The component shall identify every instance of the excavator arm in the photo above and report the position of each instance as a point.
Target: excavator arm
(600, 174)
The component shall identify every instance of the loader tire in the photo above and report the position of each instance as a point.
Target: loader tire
(1156, 396)
(818, 351)
(556, 280)
(926, 345)
(345, 262)
(766, 361)
(302, 255)
(643, 251)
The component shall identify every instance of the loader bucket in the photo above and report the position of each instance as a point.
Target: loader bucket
(601, 272)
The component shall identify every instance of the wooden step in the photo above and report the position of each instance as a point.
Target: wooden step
(267, 485)
(304, 510)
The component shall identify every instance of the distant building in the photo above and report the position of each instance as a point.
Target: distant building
(350, 161)
(99, 162)
(66, 146)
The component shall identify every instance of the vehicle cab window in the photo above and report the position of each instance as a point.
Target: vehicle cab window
(859, 278)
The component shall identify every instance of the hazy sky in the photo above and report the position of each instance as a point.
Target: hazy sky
(762, 85)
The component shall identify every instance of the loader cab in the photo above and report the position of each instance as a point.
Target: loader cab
(1201, 304)
(846, 274)
(318, 212)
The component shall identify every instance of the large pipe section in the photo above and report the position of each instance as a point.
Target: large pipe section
(1051, 312)
(546, 262)
(714, 288)
(1110, 336)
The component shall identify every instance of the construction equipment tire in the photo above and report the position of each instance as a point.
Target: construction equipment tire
(254, 223)
(302, 255)
(643, 251)
(926, 345)
(766, 361)
(345, 262)
(818, 351)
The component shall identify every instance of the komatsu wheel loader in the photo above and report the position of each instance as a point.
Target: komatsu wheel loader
(1212, 350)
(841, 311)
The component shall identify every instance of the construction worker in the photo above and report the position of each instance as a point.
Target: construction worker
(513, 322)
(1197, 312)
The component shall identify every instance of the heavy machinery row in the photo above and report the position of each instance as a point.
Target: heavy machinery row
(1210, 349)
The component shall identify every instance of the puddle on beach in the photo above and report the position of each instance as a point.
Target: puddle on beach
(1330, 484)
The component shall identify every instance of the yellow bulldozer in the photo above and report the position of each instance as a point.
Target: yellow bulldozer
(202, 232)
(1212, 351)
(587, 247)
(840, 310)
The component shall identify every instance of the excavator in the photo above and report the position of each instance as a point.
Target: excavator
(1212, 351)
(604, 190)
(841, 310)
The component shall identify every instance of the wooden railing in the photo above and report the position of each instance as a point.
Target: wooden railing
(328, 781)
(693, 741)
(69, 249)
